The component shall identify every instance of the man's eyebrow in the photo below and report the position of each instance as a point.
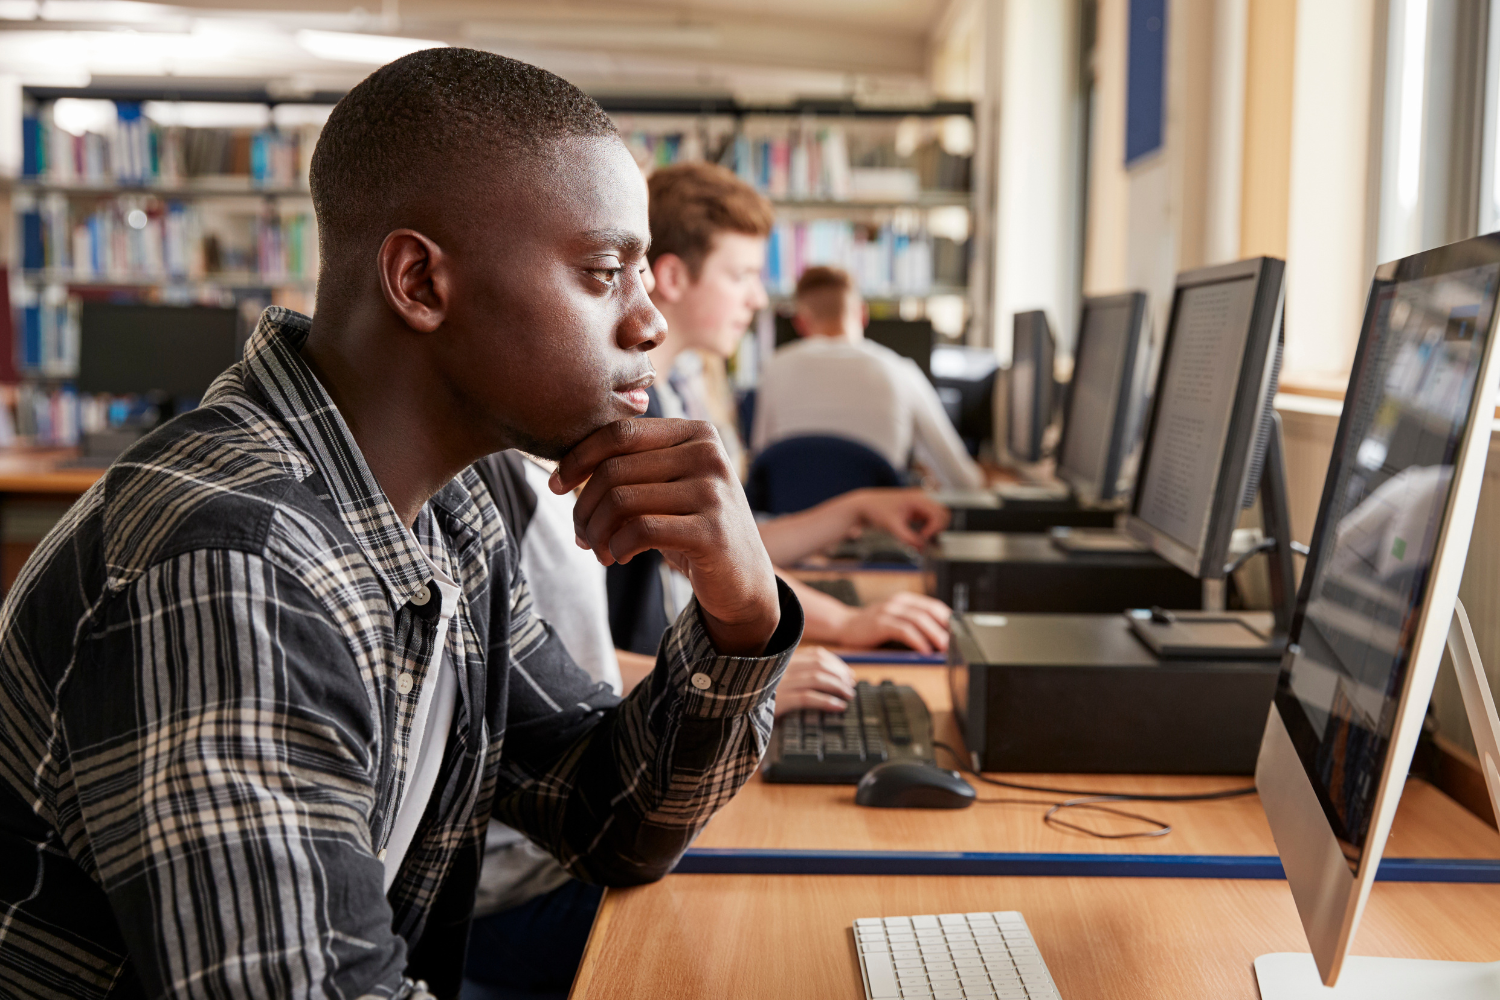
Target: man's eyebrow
(620, 239)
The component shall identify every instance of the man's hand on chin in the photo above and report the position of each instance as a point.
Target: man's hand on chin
(668, 485)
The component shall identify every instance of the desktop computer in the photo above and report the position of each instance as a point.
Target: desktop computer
(965, 381)
(1161, 690)
(1029, 386)
(167, 354)
(1020, 571)
(1377, 605)
(912, 339)
(1101, 425)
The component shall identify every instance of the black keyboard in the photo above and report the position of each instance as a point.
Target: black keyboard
(885, 722)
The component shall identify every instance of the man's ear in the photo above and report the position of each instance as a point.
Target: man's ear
(416, 277)
(799, 323)
(672, 278)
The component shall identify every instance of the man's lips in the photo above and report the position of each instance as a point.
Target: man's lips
(634, 393)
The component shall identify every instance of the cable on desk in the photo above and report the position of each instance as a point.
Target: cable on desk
(1086, 799)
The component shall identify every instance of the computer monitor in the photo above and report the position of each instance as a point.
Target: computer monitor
(170, 351)
(965, 382)
(912, 339)
(1108, 388)
(1375, 605)
(1029, 386)
(1211, 417)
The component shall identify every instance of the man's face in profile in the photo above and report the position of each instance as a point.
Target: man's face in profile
(545, 340)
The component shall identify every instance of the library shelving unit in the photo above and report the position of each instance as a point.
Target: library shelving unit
(884, 192)
(153, 198)
(152, 195)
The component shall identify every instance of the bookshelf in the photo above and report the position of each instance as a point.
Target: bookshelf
(155, 198)
(885, 193)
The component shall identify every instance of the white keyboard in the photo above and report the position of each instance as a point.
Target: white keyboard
(952, 956)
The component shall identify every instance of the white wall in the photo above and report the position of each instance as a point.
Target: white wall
(1327, 266)
(1106, 250)
(1036, 206)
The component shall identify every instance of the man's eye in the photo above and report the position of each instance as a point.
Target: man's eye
(608, 275)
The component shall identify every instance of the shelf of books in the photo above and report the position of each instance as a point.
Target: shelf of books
(885, 196)
(152, 201)
(203, 202)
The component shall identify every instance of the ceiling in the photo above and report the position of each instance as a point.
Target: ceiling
(763, 51)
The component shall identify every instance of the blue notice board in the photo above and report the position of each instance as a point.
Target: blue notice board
(1146, 79)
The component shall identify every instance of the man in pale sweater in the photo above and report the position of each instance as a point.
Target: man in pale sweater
(835, 382)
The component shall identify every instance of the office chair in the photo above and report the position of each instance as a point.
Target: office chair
(801, 472)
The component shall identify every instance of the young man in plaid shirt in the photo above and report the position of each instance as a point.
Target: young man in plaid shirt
(263, 687)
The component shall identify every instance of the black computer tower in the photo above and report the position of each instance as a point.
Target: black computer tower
(985, 571)
(1080, 694)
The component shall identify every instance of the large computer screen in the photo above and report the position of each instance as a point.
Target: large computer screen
(1383, 506)
(177, 351)
(913, 339)
(1030, 385)
(1218, 370)
(1095, 428)
(1374, 611)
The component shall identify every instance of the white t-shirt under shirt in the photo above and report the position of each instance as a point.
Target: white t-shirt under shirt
(865, 392)
(437, 699)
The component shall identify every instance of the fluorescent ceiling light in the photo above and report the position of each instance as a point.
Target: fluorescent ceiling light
(117, 11)
(372, 50)
(19, 10)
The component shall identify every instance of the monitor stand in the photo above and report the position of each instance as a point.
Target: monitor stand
(1294, 976)
(1220, 635)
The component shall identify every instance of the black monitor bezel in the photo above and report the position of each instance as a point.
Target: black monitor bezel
(1250, 404)
(1427, 264)
(1108, 488)
(1041, 408)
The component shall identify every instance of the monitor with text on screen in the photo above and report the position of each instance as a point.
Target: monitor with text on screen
(1373, 614)
(1030, 385)
(1107, 390)
(1209, 423)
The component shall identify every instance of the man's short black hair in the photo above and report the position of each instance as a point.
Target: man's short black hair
(430, 116)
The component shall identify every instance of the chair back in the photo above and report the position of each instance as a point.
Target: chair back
(801, 472)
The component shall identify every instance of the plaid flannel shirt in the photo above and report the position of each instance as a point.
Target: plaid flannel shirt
(207, 677)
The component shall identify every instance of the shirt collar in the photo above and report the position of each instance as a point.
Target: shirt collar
(273, 359)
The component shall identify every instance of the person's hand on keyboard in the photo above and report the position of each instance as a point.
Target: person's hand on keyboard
(815, 679)
(913, 620)
(911, 516)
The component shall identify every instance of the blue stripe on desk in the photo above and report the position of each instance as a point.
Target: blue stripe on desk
(891, 656)
(733, 861)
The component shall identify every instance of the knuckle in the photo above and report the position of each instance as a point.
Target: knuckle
(619, 497)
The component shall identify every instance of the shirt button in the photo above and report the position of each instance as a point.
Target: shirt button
(380, 856)
(702, 682)
(422, 596)
(403, 684)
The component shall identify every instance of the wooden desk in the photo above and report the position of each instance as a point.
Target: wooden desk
(37, 471)
(871, 585)
(34, 492)
(754, 936)
(823, 817)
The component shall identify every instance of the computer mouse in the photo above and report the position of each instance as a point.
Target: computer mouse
(905, 784)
